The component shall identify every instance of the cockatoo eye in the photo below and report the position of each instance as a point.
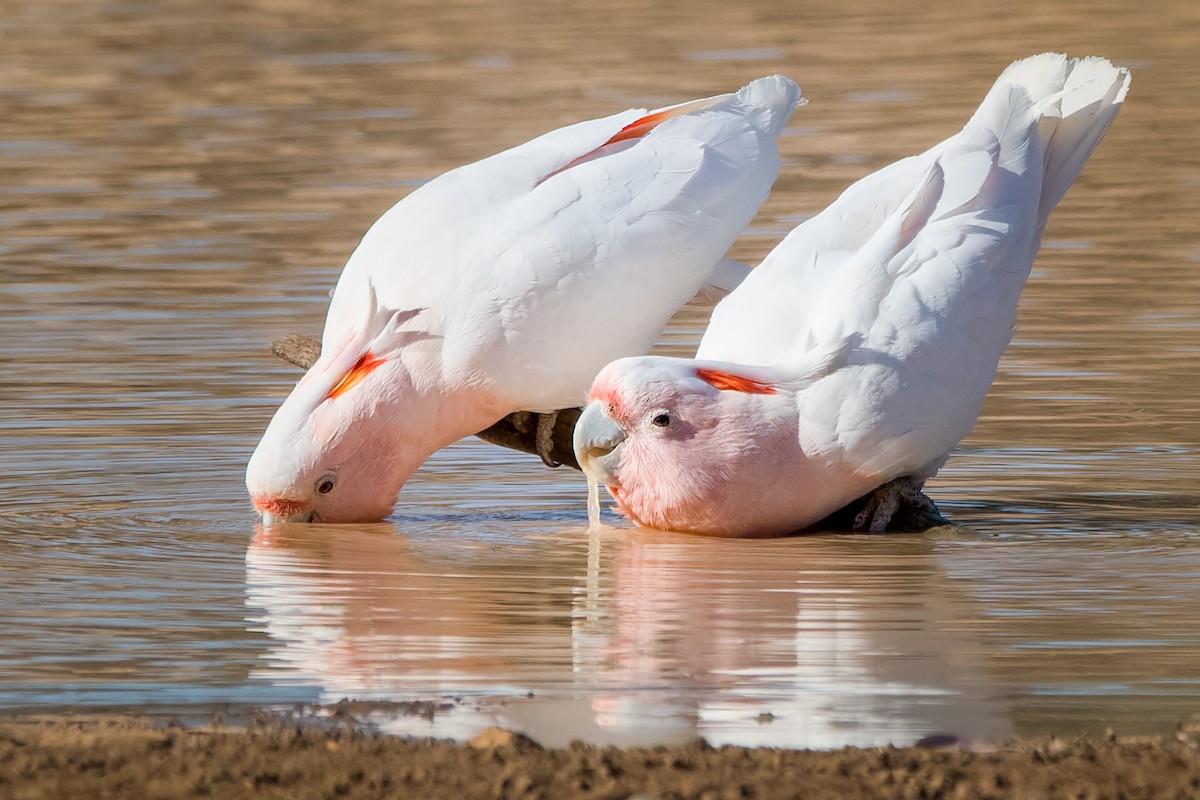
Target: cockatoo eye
(661, 420)
(325, 485)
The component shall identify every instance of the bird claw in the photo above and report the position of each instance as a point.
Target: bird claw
(520, 420)
(545, 438)
(885, 501)
(878, 511)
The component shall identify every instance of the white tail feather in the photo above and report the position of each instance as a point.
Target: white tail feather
(771, 101)
(1077, 100)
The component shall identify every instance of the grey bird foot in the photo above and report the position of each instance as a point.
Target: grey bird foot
(545, 438)
(891, 502)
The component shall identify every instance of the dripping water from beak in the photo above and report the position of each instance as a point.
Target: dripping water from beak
(596, 442)
(593, 501)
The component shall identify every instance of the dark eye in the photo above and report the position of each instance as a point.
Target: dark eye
(325, 486)
(661, 420)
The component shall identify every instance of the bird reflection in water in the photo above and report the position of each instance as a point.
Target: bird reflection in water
(626, 637)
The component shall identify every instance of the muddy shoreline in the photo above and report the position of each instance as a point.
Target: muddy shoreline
(131, 756)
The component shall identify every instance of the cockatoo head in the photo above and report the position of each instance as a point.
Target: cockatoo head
(345, 440)
(330, 451)
(665, 436)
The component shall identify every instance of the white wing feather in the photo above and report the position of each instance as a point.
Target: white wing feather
(925, 260)
(543, 263)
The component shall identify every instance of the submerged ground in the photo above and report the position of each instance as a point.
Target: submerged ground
(129, 757)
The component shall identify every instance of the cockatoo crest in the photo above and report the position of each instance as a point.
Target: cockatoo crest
(321, 426)
(733, 382)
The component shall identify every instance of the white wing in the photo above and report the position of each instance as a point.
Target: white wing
(925, 260)
(537, 266)
(770, 316)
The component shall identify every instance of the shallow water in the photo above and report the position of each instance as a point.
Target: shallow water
(180, 183)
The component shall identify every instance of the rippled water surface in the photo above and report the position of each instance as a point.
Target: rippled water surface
(180, 182)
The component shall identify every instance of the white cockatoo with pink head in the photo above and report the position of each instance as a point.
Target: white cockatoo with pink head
(861, 349)
(505, 285)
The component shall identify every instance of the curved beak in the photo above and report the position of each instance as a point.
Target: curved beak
(597, 443)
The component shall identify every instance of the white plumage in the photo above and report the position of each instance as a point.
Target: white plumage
(536, 268)
(924, 261)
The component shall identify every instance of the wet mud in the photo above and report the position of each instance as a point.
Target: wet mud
(118, 756)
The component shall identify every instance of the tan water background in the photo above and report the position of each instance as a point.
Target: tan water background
(180, 182)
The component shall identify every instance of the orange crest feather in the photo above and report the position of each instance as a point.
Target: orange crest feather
(366, 363)
(634, 130)
(643, 125)
(732, 382)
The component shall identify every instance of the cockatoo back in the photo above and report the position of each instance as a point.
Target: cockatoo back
(925, 260)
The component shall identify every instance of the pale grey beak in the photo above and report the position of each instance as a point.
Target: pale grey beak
(270, 518)
(598, 443)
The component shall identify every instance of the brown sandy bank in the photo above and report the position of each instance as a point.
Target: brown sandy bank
(129, 757)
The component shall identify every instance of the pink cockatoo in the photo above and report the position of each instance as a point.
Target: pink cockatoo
(861, 349)
(507, 284)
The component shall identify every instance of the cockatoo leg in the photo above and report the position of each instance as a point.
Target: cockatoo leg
(545, 438)
(901, 494)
